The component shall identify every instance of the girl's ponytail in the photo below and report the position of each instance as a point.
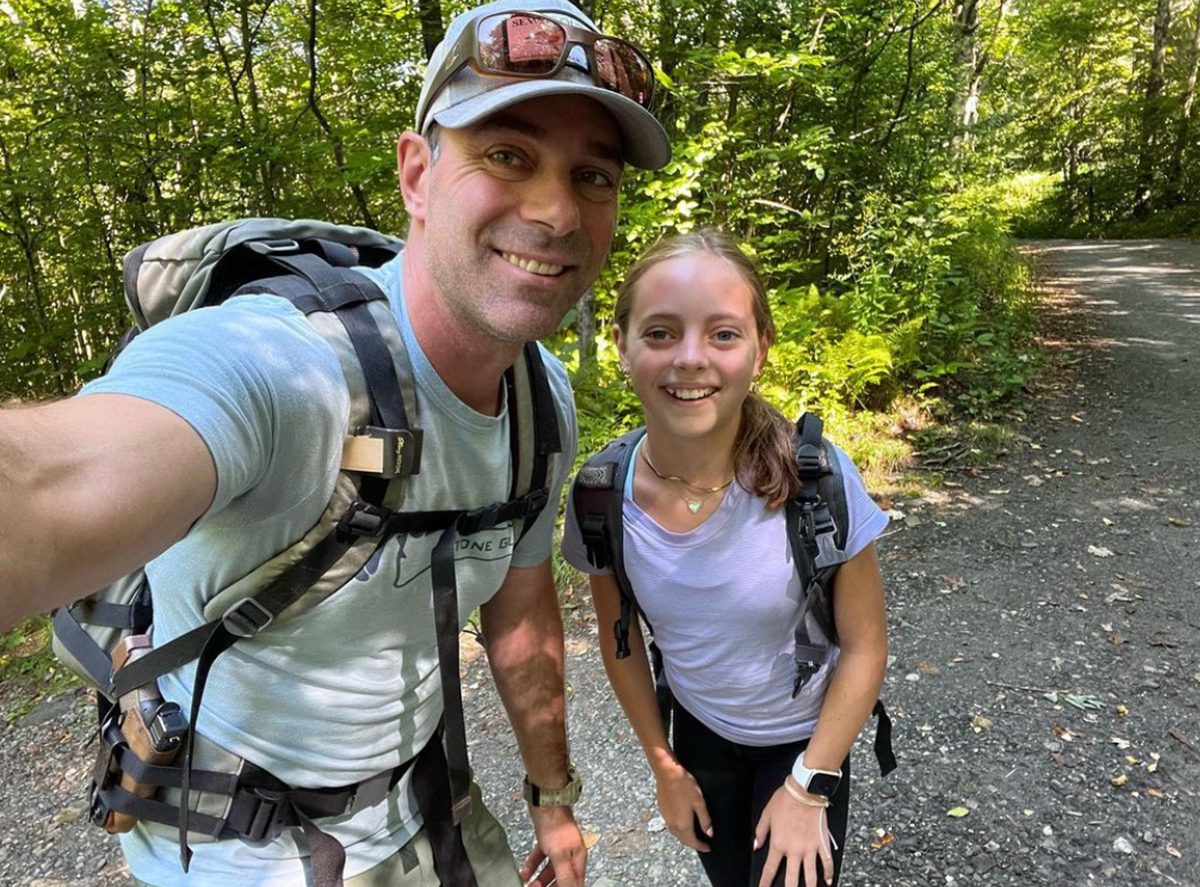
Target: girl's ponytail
(763, 455)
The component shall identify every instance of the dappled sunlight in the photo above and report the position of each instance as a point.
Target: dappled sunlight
(1138, 279)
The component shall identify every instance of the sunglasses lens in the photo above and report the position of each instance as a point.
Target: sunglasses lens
(520, 44)
(622, 69)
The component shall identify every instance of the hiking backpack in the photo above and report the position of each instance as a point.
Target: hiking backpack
(817, 523)
(309, 263)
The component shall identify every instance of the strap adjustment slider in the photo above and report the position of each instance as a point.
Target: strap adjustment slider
(247, 618)
(363, 519)
(267, 819)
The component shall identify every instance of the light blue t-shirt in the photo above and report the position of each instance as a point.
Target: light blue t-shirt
(724, 600)
(350, 688)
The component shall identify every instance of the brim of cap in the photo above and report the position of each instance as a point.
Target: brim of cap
(644, 141)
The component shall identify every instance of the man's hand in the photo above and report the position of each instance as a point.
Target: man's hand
(681, 803)
(559, 856)
(799, 839)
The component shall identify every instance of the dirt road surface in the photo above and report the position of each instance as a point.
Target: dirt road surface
(1045, 640)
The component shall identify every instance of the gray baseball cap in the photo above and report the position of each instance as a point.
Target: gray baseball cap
(469, 97)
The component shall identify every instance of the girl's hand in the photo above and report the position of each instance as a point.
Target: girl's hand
(681, 803)
(799, 838)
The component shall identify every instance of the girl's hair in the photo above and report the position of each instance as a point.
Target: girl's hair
(763, 453)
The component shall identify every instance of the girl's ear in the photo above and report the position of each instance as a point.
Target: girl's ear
(764, 346)
(619, 341)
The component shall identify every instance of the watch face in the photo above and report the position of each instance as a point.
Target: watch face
(823, 784)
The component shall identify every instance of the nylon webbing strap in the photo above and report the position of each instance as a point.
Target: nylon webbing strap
(327, 855)
(614, 528)
(431, 789)
(883, 739)
(87, 653)
(537, 409)
(598, 493)
(348, 293)
(445, 616)
(801, 532)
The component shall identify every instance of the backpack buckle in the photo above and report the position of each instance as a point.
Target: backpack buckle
(470, 522)
(808, 460)
(107, 767)
(247, 618)
(536, 500)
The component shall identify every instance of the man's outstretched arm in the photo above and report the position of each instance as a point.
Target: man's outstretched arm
(90, 488)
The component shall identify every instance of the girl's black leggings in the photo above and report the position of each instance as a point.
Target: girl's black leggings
(738, 781)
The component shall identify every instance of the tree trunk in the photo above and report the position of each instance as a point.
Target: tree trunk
(585, 325)
(1152, 112)
(972, 58)
(266, 199)
(339, 154)
(1175, 169)
(432, 29)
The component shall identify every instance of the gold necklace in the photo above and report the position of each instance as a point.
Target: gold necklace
(695, 503)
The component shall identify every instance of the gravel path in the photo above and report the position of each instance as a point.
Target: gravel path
(1045, 681)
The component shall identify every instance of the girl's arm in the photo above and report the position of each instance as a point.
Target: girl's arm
(799, 833)
(680, 800)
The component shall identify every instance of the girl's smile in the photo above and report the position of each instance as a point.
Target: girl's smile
(692, 346)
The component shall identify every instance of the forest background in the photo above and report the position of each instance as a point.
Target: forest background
(876, 156)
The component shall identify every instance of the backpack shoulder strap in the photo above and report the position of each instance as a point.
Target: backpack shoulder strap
(309, 570)
(533, 431)
(598, 495)
(816, 528)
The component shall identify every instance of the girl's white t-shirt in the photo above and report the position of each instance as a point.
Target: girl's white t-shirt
(724, 601)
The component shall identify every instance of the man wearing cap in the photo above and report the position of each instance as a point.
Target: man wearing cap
(216, 438)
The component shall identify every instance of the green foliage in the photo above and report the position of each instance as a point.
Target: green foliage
(834, 137)
(27, 661)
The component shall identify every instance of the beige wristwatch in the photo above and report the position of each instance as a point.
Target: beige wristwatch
(555, 797)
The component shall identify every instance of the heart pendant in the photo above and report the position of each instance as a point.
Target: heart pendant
(693, 507)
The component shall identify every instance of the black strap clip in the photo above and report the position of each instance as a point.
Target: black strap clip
(536, 500)
(480, 519)
(621, 632)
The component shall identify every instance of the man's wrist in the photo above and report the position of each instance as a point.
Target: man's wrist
(563, 795)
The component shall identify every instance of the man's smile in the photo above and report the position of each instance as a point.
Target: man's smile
(533, 266)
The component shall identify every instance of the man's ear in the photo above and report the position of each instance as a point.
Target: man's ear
(413, 162)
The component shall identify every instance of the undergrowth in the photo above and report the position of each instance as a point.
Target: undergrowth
(29, 670)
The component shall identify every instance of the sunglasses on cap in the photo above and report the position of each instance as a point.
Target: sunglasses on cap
(533, 46)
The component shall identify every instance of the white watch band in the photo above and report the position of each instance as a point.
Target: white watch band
(804, 774)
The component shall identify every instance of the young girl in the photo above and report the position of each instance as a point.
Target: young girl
(706, 549)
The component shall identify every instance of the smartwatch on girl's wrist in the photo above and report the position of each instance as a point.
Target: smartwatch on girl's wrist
(816, 782)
